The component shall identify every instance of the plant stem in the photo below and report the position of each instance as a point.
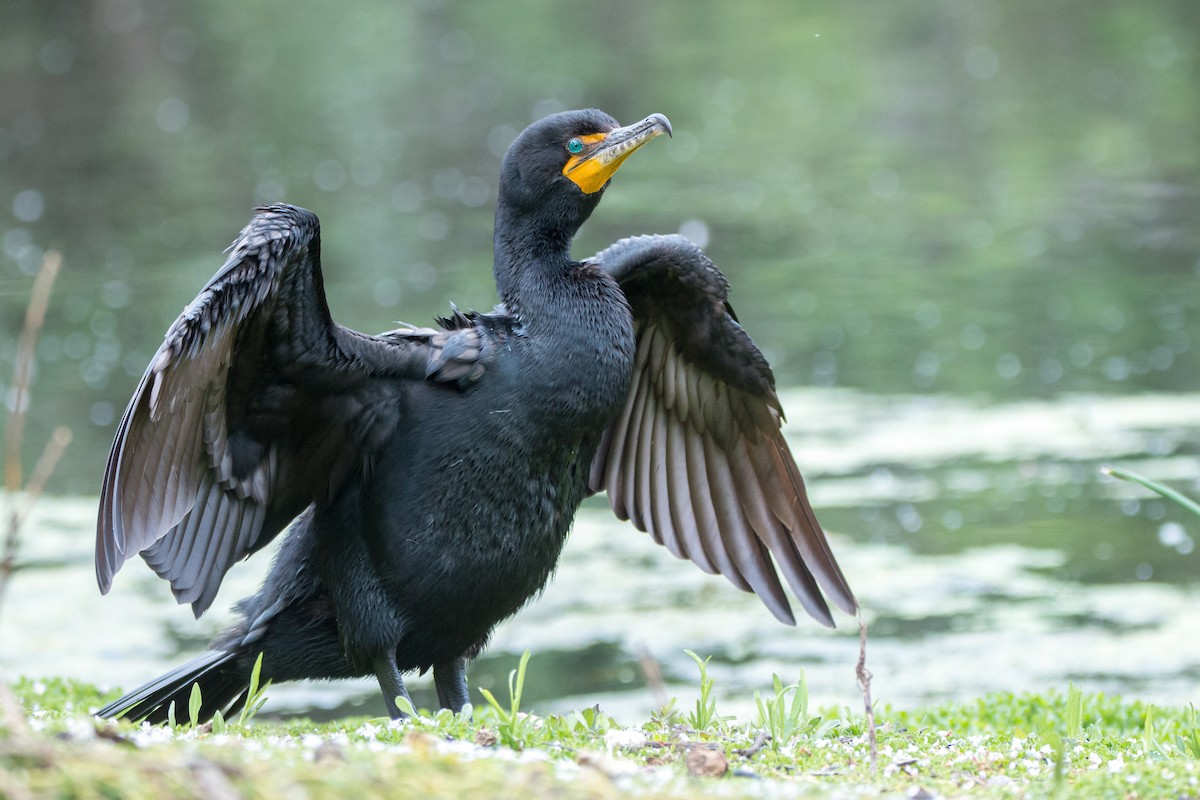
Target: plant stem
(1153, 486)
(864, 683)
(35, 315)
(14, 432)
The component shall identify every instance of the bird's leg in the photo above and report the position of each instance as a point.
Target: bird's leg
(391, 683)
(450, 678)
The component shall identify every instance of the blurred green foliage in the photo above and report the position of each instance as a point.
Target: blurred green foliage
(988, 198)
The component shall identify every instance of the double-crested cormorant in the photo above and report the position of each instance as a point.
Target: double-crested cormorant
(430, 476)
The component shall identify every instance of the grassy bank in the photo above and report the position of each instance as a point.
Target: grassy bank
(1029, 745)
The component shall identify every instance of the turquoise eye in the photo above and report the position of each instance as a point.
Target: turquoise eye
(575, 145)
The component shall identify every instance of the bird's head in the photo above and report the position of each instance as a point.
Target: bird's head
(558, 167)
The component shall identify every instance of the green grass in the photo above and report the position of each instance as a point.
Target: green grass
(1038, 745)
(1154, 486)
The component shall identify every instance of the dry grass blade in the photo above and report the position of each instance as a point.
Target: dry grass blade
(652, 672)
(42, 470)
(14, 433)
(864, 683)
(35, 315)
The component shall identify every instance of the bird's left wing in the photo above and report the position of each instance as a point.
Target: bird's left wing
(696, 457)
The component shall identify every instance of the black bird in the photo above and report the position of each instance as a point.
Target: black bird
(430, 476)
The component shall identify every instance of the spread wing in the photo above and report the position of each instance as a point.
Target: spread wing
(697, 458)
(256, 405)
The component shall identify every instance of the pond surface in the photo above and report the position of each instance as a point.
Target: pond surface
(986, 548)
(971, 231)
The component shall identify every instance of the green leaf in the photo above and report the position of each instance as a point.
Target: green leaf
(516, 691)
(491, 700)
(800, 699)
(1188, 741)
(1074, 711)
(1148, 740)
(256, 694)
(705, 715)
(405, 705)
(194, 704)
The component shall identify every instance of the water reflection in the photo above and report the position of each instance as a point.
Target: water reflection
(991, 557)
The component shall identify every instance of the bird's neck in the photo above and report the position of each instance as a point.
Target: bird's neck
(532, 260)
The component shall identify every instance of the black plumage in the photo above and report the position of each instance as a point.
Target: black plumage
(430, 476)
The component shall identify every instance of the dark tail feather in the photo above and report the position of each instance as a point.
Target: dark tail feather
(223, 678)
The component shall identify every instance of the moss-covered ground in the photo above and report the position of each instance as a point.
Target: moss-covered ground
(1000, 746)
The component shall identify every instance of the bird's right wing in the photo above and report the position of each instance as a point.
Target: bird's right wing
(256, 405)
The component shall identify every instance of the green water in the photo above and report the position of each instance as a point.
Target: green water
(973, 227)
(993, 557)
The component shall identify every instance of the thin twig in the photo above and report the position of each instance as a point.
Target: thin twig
(864, 683)
(42, 471)
(652, 672)
(14, 432)
(35, 315)
(760, 741)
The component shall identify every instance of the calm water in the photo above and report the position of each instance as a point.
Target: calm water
(969, 229)
(985, 547)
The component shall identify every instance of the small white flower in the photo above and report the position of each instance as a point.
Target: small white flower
(628, 739)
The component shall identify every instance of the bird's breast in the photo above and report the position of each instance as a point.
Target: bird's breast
(479, 480)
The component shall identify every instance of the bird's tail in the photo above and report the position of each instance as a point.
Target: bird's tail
(223, 678)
